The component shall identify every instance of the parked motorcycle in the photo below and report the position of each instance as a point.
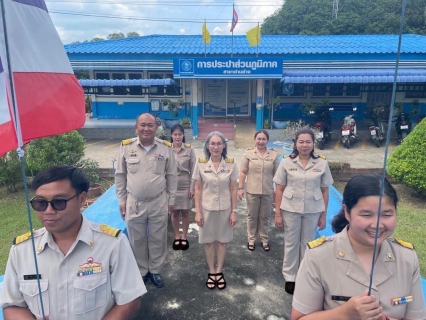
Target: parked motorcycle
(349, 130)
(322, 126)
(402, 126)
(377, 128)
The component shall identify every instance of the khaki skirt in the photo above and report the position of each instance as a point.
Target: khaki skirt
(216, 227)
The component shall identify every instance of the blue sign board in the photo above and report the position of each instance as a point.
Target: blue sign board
(225, 68)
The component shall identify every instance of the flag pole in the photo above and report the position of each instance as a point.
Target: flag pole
(205, 40)
(257, 39)
(232, 36)
(18, 132)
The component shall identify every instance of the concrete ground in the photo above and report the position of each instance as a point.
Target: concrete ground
(364, 154)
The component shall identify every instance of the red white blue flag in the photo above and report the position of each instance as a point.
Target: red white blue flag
(48, 98)
(234, 19)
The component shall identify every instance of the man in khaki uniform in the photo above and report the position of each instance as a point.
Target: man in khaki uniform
(259, 170)
(304, 199)
(146, 183)
(86, 270)
(331, 273)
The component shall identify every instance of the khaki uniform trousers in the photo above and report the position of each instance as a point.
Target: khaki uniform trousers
(299, 229)
(147, 227)
(259, 210)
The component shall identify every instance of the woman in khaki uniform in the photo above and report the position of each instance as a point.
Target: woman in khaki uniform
(215, 204)
(334, 277)
(301, 199)
(258, 165)
(185, 161)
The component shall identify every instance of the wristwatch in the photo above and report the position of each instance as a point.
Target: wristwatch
(235, 210)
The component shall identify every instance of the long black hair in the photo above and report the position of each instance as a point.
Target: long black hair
(295, 152)
(360, 186)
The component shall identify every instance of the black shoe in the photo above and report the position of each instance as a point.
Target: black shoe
(289, 287)
(177, 244)
(146, 277)
(156, 280)
(184, 244)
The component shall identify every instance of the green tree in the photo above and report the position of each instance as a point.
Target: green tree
(115, 35)
(10, 170)
(67, 149)
(96, 39)
(407, 163)
(132, 34)
(314, 17)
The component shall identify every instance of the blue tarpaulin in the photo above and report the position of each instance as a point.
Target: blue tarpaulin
(352, 75)
(126, 83)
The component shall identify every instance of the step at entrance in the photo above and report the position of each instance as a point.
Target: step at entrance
(205, 127)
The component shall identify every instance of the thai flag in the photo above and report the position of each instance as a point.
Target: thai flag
(49, 99)
(234, 20)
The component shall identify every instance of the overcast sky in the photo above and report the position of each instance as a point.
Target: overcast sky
(181, 16)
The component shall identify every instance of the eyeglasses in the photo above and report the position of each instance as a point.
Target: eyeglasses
(214, 145)
(57, 204)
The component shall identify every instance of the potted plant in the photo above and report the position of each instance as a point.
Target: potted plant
(185, 122)
(91, 170)
(161, 134)
(275, 105)
(267, 124)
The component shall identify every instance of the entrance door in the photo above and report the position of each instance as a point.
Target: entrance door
(218, 94)
(238, 96)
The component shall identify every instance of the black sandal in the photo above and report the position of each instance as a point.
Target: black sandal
(251, 246)
(177, 244)
(266, 247)
(219, 282)
(184, 244)
(211, 284)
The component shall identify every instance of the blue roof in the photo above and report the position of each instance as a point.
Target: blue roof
(270, 44)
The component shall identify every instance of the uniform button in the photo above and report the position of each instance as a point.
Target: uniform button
(89, 286)
(62, 310)
(61, 286)
(32, 292)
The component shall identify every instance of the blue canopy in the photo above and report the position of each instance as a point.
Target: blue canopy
(352, 75)
(126, 83)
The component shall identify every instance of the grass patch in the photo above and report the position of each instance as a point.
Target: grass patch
(411, 220)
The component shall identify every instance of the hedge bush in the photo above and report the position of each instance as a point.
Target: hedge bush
(407, 164)
(10, 170)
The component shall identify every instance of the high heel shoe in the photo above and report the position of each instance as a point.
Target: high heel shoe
(211, 281)
(220, 282)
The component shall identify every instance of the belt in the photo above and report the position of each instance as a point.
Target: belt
(148, 199)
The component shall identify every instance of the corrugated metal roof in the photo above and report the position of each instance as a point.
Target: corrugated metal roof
(270, 44)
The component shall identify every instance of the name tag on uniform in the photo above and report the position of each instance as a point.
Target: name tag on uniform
(340, 298)
(160, 157)
(133, 155)
(32, 276)
(208, 171)
(316, 170)
(292, 169)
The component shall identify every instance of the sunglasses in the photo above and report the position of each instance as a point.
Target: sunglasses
(56, 204)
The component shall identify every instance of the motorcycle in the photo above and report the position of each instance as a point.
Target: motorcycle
(322, 125)
(349, 130)
(377, 129)
(402, 126)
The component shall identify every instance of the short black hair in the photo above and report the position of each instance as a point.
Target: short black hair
(77, 178)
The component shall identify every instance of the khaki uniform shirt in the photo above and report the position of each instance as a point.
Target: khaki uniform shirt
(185, 161)
(66, 295)
(260, 171)
(216, 192)
(302, 193)
(145, 174)
(333, 269)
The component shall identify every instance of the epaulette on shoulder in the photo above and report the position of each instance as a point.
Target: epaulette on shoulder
(113, 232)
(188, 145)
(322, 157)
(250, 148)
(27, 236)
(286, 156)
(229, 160)
(403, 243)
(167, 143)
(202, 160)
(128, 141)
(317, 242)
